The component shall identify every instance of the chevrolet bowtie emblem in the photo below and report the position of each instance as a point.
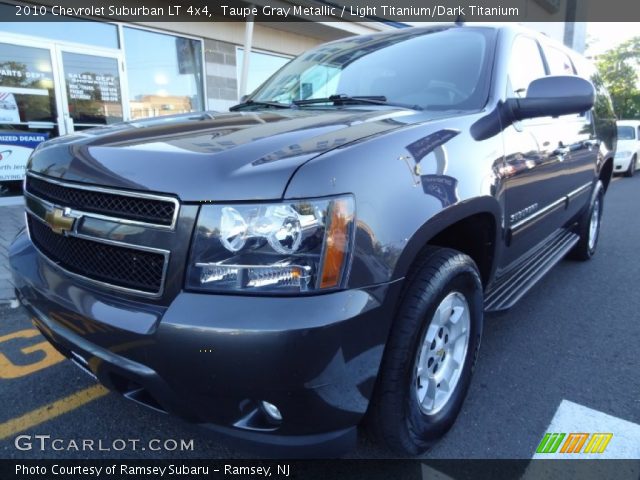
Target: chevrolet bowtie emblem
(59, 221)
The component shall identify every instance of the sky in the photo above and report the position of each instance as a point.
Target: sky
(602, 36)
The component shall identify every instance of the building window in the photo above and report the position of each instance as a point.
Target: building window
(164, 73)
(26, 85)
(261, 67)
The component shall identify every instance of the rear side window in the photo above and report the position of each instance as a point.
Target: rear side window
(558, 61)
(525, 65)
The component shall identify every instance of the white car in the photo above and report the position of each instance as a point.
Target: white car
(627, 157)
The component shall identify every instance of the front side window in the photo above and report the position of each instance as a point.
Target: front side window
(442, 68)
(164, 73)
(525, 65)
(558, 61)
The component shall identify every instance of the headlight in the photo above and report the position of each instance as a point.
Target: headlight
(623, 154)
(289, 247)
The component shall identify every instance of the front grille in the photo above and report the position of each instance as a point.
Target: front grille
(116, 265)
(147, 210)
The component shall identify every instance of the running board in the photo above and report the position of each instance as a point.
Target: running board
(514, 283)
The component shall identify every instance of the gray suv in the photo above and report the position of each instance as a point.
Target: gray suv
(323, 254)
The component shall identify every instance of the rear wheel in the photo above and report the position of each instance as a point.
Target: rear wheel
(589, 227)
(632, 167)
(430, 354)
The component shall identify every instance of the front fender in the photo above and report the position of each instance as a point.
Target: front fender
(409, 184)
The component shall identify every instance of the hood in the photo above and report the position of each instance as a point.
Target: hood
(219, 157)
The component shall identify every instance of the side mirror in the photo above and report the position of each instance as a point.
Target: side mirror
(243, 98)
(553, 96)
(546, 97)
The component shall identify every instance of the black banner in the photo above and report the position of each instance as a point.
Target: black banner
(320, 469)
(326, 10)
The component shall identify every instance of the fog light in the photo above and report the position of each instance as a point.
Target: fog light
(271, 410)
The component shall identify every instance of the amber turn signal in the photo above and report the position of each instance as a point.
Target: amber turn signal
(337, 244)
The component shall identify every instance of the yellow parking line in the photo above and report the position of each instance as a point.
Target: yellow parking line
(8, 370)
(50, 411)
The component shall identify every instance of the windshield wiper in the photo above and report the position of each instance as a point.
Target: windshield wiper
(258, 103)
(342, 99)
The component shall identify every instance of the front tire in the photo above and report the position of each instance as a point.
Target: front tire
(589, 226)
(431, 352)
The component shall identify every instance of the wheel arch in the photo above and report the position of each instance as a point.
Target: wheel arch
(472, 227)
(606, 173)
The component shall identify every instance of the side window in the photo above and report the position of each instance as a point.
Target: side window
(525, 65)
(558, 61)
(638, 134)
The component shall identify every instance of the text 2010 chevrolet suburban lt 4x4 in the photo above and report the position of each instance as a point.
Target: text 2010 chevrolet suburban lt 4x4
(324, 252)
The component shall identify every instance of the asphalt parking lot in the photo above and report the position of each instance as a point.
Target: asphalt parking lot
(571, 342)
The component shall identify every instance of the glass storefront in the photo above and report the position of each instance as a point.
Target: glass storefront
(28, 107)
(164, 73)
(55, 78)
(92, 87)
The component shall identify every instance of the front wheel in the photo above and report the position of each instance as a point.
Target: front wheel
(589, 226)
(431, 352)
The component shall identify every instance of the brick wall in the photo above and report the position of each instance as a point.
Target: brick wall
(221, 74)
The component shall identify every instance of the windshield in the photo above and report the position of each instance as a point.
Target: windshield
(626, 133)
(445, 68)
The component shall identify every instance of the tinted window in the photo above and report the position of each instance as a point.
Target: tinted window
(525, 65)
(626, 133)
(443, 68)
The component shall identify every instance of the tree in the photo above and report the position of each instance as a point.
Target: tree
(619, 70)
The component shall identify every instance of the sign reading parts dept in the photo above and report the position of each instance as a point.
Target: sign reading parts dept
(15, 148)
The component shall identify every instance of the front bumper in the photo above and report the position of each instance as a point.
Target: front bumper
(621, 164)
(212, 359)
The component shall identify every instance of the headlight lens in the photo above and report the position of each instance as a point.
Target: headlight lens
(623, 154)
(288, 248)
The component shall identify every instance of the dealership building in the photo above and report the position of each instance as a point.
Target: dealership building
(71, 74)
